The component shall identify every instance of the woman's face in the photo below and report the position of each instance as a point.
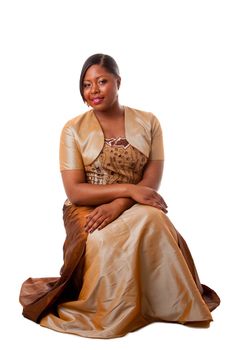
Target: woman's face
(100, 88)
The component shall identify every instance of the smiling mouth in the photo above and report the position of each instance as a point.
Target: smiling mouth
(97, 100)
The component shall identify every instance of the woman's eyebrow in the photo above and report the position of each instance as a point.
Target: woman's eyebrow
(100, 76)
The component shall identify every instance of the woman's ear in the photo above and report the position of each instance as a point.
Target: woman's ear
(118, 82)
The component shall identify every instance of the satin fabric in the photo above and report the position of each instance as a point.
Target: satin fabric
(82, 138)
(39, 295)
(137, 270)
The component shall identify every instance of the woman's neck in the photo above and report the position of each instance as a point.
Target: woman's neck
(114, 112)
(112, 122)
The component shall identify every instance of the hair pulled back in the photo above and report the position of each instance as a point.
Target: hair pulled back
(104, 61)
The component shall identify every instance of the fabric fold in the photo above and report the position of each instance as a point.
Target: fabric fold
(40, 295)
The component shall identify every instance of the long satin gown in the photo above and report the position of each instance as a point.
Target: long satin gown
(137, 270)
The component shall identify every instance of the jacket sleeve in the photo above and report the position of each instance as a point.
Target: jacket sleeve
(156, 151)
(70, 156)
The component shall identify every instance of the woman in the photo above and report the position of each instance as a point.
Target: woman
(125, 265)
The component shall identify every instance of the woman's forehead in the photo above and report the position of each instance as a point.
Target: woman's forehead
(95, 71)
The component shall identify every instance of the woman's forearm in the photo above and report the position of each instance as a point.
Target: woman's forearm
(89, 194)
(81, 193)
(126, 203)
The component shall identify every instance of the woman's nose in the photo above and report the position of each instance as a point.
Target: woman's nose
(94, 88)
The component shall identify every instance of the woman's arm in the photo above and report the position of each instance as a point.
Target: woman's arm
(103, 214)
(81, 193)
(152, 177)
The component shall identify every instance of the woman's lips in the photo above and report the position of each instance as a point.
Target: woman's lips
(97, 100)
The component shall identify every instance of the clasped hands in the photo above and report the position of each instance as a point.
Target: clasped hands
(104, 214)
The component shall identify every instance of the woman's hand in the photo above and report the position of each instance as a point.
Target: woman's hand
(148, 196)
(103, 215)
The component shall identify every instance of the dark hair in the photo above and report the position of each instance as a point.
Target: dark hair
(104, 61)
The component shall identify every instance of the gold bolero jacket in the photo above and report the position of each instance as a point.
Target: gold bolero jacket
(82, 138)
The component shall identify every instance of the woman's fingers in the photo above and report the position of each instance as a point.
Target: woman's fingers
(94, 223)
(160, 198)
(93, 220)
(104, 223)
(90, 216)
(162, 207)
(98, 218)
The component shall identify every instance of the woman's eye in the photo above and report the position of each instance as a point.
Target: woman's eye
(102, 82)
(86, 85)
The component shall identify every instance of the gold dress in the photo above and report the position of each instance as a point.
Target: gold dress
(134, 272)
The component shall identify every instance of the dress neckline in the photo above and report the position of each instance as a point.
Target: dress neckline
(119, 141)
(115, 138)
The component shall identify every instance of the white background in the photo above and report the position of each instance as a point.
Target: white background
(175, 59)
